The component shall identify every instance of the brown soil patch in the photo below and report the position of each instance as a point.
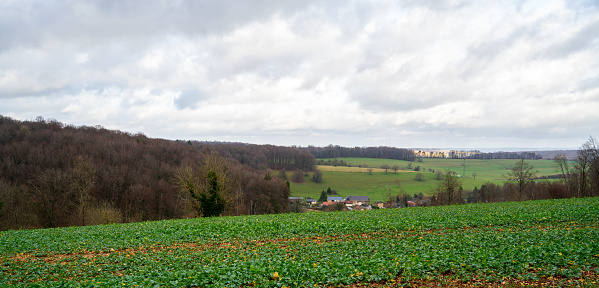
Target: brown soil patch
(280, 243)
(588, 279)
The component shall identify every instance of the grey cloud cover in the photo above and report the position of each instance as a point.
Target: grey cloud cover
(356, 73)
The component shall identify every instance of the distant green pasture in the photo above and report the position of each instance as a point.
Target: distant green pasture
(357, 181)
(363, 184)
(491, 170)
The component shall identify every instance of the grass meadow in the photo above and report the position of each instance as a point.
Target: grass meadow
(357, 180)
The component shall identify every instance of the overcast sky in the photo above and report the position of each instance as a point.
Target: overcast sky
(430, 74)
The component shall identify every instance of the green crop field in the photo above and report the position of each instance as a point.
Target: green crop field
(357, 181)
(551, 242)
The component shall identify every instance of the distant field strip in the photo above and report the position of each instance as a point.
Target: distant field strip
(355, 169)
(553, 241)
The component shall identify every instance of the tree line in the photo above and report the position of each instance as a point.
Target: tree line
(53, 175)
(263, 156)
(476, 154)
(504, 155)
(381, 152)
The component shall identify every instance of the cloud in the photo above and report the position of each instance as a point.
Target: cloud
(586, 36)
(589, 83)
(407, 73)
(189, 99)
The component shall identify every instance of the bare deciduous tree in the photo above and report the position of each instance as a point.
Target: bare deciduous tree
(419, 177)
(587, 169)
(562, 165)
(317, 176)
(53, 197)
(83, 181)
(450, 190)
(386, 167)
(521, 176)
(297, 176)
(439, 175)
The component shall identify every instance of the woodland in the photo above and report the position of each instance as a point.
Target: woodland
(54, 175)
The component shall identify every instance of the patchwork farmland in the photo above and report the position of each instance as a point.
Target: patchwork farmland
(357, 180)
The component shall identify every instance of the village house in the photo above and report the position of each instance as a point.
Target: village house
(357, 200)
(335, 199)
(324, 204)
(296, 199)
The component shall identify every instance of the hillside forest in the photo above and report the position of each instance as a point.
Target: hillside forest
(52, 175)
